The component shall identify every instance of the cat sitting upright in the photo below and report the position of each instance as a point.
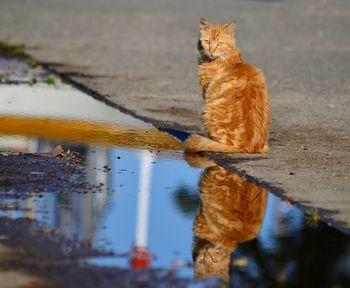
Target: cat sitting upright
(236, 111)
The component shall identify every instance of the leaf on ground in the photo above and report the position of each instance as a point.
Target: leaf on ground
(51, 80)
(58, 150)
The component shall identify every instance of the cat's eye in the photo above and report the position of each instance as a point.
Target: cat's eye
(215, 260)
(206, 41)
(220, 43)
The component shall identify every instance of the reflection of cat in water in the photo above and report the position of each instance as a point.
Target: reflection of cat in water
(231, 211)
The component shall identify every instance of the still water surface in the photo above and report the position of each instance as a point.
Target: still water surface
(290, 248)
(151, 198)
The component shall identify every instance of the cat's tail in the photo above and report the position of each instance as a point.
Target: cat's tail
(196, 143)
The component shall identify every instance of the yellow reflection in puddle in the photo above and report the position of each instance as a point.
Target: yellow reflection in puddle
(88, 133)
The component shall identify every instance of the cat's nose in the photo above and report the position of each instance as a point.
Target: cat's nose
(207, 253)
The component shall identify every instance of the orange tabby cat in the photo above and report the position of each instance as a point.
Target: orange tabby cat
(236, 111)
(231, 211)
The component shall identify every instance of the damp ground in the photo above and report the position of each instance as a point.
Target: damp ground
(91, 196)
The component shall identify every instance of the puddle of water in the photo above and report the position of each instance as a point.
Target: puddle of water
(60, 102)
(152, 201)
(62, 113)
(153, 209)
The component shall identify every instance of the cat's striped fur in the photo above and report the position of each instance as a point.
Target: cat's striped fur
(236, 111)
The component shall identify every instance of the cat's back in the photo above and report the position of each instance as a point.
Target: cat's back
(249, 72)
(232, 205)
(235, 80)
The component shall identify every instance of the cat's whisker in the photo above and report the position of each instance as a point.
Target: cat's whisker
(202, 53)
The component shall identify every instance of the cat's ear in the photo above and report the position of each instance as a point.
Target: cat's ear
(230, 28)
(203, 24)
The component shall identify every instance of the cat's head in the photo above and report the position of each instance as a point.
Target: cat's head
(211, 260)
(216, 41)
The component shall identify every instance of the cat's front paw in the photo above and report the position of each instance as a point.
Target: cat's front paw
(198, 161)
(191, 144)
